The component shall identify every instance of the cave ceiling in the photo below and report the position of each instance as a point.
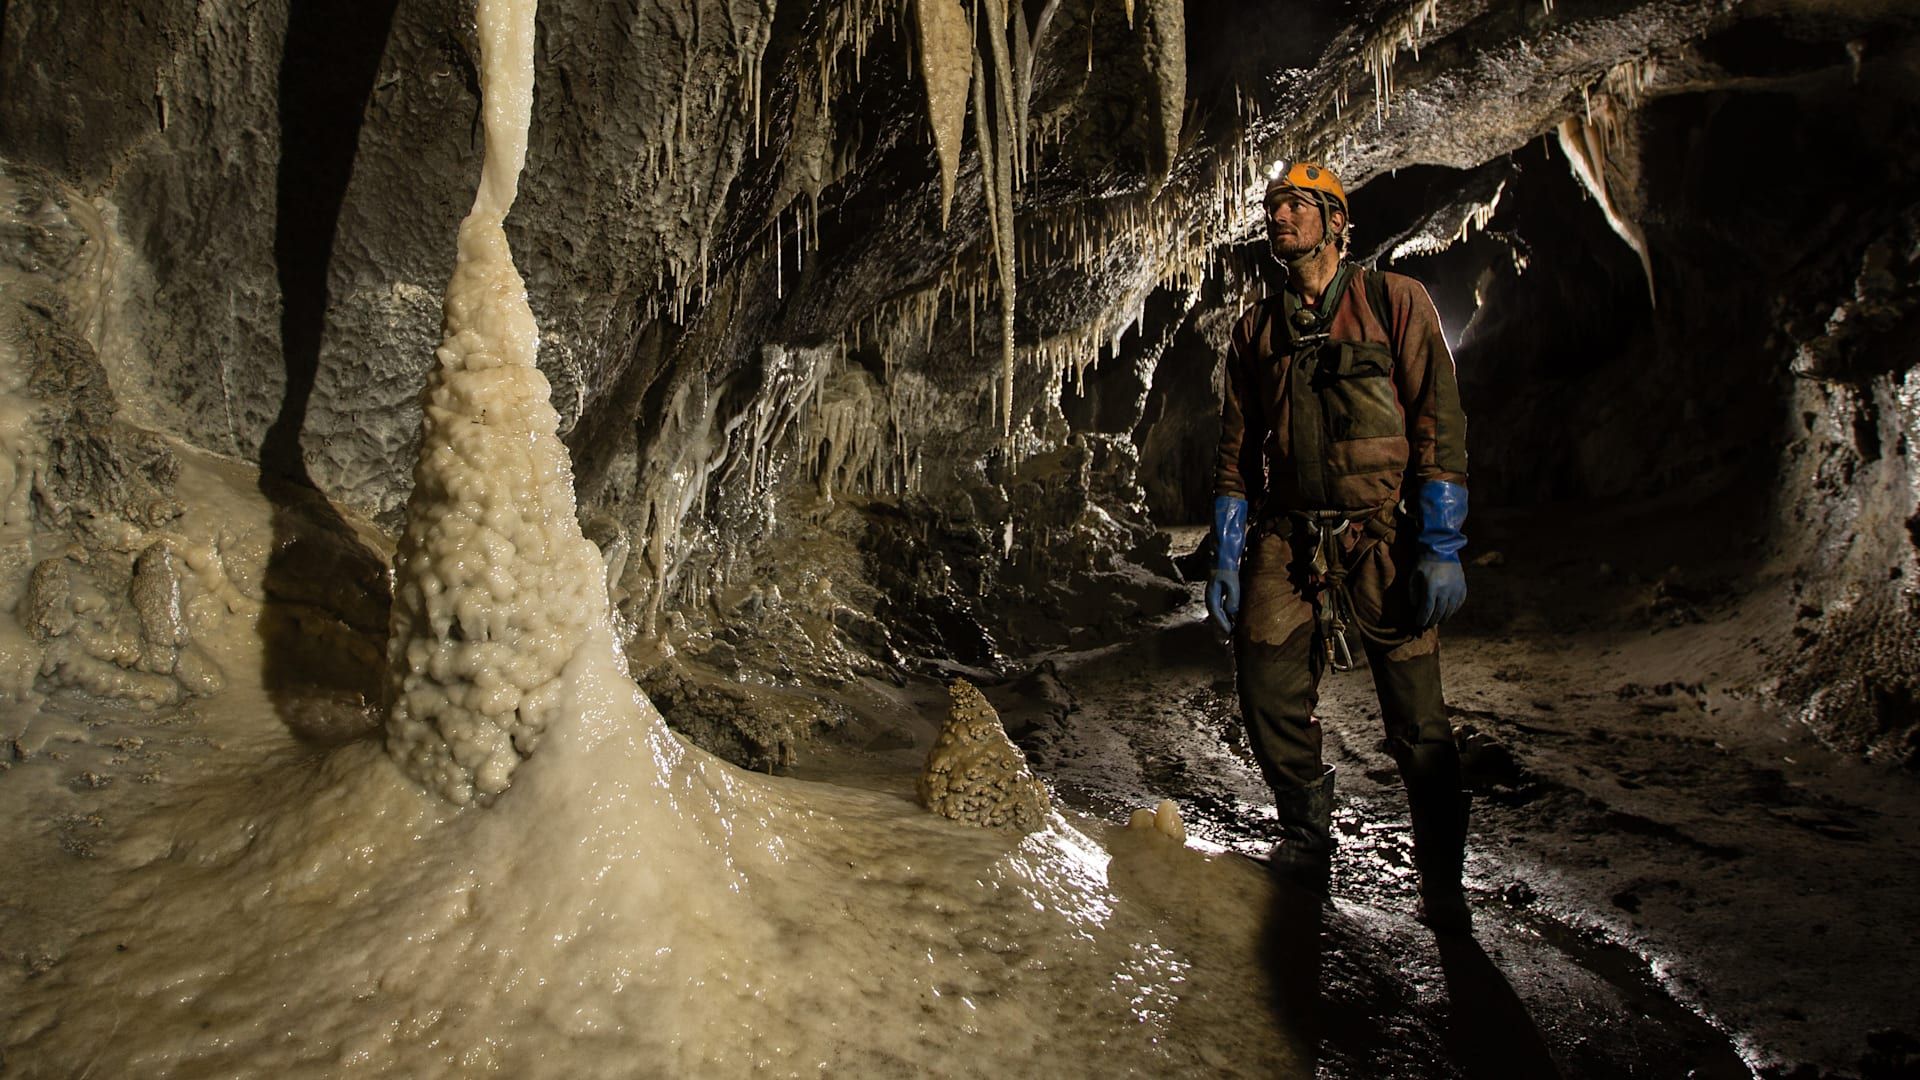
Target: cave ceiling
(709, 178)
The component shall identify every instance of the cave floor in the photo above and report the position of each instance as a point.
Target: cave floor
(1670, 875)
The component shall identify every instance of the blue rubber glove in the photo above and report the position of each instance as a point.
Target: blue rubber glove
(1229, 542)
(1439, 583)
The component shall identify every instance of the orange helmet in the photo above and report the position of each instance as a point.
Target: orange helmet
(1308, 176)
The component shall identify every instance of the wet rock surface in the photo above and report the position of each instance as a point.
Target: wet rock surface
(1670, 878)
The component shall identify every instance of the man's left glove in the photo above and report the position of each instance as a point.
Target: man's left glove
(1229, 542)
(1439, 584)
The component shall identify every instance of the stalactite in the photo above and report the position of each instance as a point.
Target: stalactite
(1585, 145)
(1006, 137)
(1165, 37)
(1383, 48)
(1595, 139)
(1473, 219)
(946, 67)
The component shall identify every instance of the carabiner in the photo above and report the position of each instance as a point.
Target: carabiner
(1339, 653)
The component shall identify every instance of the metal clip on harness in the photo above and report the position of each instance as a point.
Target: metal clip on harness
(1332, 605)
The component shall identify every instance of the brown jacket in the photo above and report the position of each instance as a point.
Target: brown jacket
(1387, 394)
(1389, 410)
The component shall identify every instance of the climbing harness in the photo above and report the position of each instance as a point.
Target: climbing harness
(1314, 536)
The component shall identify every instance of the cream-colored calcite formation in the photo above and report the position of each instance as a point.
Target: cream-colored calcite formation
(1163, 819)
(137, 648)
(975, 774)
(1605, 164)
(97, 597)
(1166, 53)
(496, 586)
(945, 40)
(23, 457)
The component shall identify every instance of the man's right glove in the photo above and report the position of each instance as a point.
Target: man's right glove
(1229, 541)
(1439, 584)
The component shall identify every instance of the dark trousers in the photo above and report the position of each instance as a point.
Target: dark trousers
(1280, 686)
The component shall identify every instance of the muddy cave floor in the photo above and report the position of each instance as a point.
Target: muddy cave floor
(1670, 877)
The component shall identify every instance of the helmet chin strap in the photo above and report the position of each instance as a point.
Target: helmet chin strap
(1310, 254)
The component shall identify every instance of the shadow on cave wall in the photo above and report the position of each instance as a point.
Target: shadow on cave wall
(324, 626)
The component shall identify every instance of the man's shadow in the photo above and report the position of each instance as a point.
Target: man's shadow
(1291, 947)
(1489, 1033)
(324, 625)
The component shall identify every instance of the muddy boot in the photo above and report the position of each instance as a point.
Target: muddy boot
(1304, 854)
(1439, 805)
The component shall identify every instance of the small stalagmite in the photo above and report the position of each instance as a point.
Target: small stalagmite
(1163, 819)
(976, 775)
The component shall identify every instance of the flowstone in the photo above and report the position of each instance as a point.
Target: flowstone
(976, 775)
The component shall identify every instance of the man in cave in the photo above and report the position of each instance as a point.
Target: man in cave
(1342, 479)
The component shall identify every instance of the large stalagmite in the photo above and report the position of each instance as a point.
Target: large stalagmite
(496, 588)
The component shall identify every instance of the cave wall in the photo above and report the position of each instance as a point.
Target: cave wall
(770, 353)
(750, 311)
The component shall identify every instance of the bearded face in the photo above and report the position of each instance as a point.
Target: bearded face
(1296, 223)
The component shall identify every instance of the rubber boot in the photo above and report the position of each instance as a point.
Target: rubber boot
(1439, 806)
(1304, 854)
